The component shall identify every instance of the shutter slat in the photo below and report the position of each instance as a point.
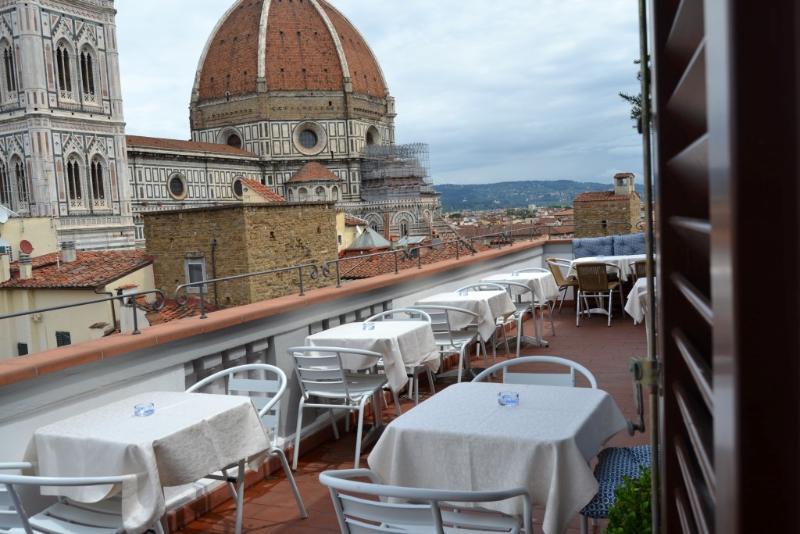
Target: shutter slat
(687, 31)
(683, 514)
(698, 301)
(688, 101)
(700, 372)
(692, 421)
(697, 226)
(690, 486)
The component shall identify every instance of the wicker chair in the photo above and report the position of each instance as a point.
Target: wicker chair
(564, 284)
(594, 282)
(639, 269)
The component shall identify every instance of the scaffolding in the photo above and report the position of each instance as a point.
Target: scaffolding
(395, 171)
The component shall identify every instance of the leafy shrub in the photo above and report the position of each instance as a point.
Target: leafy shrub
(631, 513)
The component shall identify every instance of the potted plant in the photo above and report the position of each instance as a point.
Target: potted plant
(631, 513)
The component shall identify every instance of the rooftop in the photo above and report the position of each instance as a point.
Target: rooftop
(138, 142)
(594, 196)
(90, 270)
(263, 191)
(314, 172)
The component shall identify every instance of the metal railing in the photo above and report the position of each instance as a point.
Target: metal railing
(328, 268)
(125, 300)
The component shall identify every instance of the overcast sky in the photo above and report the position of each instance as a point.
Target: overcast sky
(502, 90)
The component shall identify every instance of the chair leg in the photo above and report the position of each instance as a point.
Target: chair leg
(584, 525)
(563, 293)
(158, 527)
(396, 398)
(346, 423)
(335, 425)
(461, 356)
(290, 477)
(377, 410)
(550, 309)
(416, 389)
(240, 478)
(431, 382)
(361, 408)
(610, 306)
(296, 453)
(520, 327)
(578, 309)
(505, 339)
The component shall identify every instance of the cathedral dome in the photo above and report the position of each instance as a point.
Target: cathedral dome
(286, 46)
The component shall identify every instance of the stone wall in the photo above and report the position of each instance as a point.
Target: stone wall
(249, 238)
(607, 217)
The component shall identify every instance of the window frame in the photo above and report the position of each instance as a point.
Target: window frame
(187, 264)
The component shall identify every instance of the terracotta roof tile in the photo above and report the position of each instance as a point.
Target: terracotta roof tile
(301, 53)
(89, 271)
(352, 220)
(263, 191)
(314, 172)
(157, 143)
(172, 311)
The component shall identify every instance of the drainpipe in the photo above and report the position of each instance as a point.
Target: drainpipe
(652, 357)
(214, 270)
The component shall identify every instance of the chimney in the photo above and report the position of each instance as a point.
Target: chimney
(5, 268)
(68, 253)
(624, 184)
(25, 267)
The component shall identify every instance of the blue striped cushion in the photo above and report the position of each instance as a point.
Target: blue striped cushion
(613, 465)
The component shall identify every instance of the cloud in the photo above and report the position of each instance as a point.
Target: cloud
(509, 90)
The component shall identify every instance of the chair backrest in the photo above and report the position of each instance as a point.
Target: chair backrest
(640, 269)
(320, 371)
(400, 314)
(13, 516)
(555, 268)
(396, 509)
(532, 270)
(540, 379)
(592, 277)
(254, 381)
(441, 318)
(481, 286)
(518, 292)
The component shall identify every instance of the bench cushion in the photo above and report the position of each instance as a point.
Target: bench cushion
(628, 245)
(613, 465)
(593, 246)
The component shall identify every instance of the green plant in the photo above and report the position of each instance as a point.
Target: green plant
(631, 513)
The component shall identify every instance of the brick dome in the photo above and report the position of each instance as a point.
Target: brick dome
(286, 45)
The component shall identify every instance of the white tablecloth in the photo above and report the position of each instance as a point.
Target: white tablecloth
(461, 439)
(401, 343)
(543, 285)
(637, 300)
(623, 262)
(189, 436)
(489, 305)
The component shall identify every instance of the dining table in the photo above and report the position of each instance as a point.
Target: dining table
(186, 437)
(488, 305)
(543, 287)
(636, 303)
(622, 263)
(406, 343)
(462, 438)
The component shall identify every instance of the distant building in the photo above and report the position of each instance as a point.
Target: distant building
(216, 242)
(609, 212)
(63, 278)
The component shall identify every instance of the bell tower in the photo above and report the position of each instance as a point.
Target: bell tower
(62, 131)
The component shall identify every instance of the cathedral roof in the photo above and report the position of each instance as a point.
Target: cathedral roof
(314, 172)
(176, 145)
(286, 45)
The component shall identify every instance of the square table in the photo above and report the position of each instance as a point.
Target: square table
(189, 436)
(544, 288)
(489, 305)
(401, 343)
(462, 439)
(622, 262)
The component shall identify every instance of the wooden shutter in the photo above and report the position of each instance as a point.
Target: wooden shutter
(726, 97)
(684, 255)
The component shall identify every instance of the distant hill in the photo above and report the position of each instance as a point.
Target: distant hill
(515, 194)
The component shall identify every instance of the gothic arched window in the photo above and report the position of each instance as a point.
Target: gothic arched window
(98, 187)
(404, 229)
(23, 190)
(5, 186)
(74, 180)
(335, 193)
(87, 73)
(320, 192)
(302, 194)
(9, 70)
(64, 68)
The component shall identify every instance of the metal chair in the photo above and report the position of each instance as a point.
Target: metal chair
(540, 379)
(564, 284)
(266, 394)
(65, 516)
(449, 340)
(321, 375)
(413, 371)
(594, 282)
(396, 509)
